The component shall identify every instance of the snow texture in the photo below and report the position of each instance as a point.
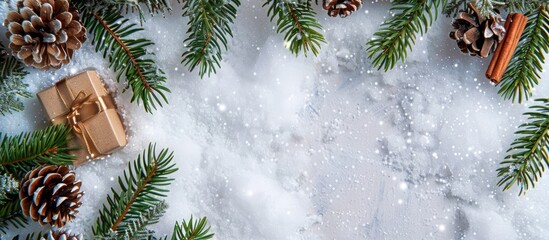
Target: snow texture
(279, 147)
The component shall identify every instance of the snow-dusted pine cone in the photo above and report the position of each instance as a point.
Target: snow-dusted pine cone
(51, 195)
(44, 33)
(60, 235)
(342, 8)
(476, 35)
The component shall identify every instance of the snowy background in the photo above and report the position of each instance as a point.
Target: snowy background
(279, 147)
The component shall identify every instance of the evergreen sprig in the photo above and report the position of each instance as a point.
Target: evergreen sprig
(209, 29)
(12, 87)
(194, 229)
(528, 157)
(522, 6)
(114, 37)
(398, 34)
(31, 236)
(153, 6)
(137, 228)
(296, 19)
(19, 154)
(141, 188)
(454, 6)
(523, 72)
(11, 214)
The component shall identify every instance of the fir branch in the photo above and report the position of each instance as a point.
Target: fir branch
(398, 34)
(192, 230)
(19, 154)
(523, 6)
(528, 157)
(209, 28)
(523, 72)
(128, 57)
(486, 7)
(153, 6)
(11, 214)
(31, 236)
(454, 6)
(12, 87)
(136, 228)
(140, 189)
(296, 19)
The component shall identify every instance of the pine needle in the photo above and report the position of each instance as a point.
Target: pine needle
(12, 88)
(398, 34)
(20, 154)
(141, 188)
(209, 29)
(523, 72)
(297, 20)
(527, 158)
(113, 36)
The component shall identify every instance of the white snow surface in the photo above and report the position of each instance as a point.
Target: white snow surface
(281, 147)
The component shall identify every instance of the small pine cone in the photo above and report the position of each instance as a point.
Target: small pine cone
(342, 8)
(51, 195)
(44, 33)
(476, 35)
(60, 235)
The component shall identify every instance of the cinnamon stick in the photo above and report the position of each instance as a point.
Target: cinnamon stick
(495, 58)
(515, 31)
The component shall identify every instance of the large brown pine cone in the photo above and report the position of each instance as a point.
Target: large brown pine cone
(44, 33)
(342, 8)
(60, 235)
(476, 35)
(51, 195)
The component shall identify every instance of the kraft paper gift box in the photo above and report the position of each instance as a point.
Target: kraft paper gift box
(83, 102)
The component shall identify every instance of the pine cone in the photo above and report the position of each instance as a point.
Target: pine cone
(343, 8)
(51, 195)
(475, 35)
(60, 235)
(44, 33)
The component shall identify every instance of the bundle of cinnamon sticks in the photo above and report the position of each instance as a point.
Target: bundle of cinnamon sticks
(514, 25)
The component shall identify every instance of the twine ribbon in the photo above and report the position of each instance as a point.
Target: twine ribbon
(80, 109)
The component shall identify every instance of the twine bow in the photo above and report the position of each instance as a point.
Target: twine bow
(82, 108)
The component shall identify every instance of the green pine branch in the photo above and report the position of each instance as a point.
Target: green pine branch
(153, 6)
(522, 6)
(19, 154)
(454, 6)
(397, 35)
(141, 188)
(528, 157)
(486, 7)
(11, 214)
(194, 229)
(127, 55)
(12, 87)
(31, 236)
(209, 29)
(296, 19)
(136, 228)
(523, 72)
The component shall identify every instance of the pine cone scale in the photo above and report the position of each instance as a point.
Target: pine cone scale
(65, 19)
